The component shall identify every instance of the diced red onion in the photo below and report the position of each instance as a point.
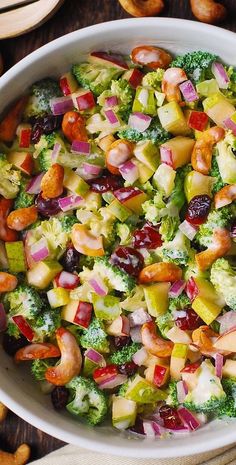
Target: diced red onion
(227, 321)
(81, 172)
(39, 250)
(166, 155)
(99, 286)
(140, 356)
(220, 74)
(188, 230)
(177, 288)
(151, 429)
(95, 357)
(230, 124)
(94, 170)
(55, 152)
(70, 202)
(139, 317)
(34, 186)
(189, 92)
(111, 117)
(113, 382)
(182, 391)
(129, 171)
(81, 147)
(189, 420)
(191, 289)
(139, 121)
(219, 362)
(135, 334)
(3, 318)
(111, 101)
(60, 105)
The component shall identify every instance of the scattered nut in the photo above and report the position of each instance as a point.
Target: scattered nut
(208, 11)
(142, 7)
(3, 412)
(20, 457)
(52, 182)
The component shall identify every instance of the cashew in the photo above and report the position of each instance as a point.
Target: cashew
(203, 149)
(37, 350)
(160, 272)
(208, 11)
(170, 83)
(8, 282)
(22, 218)
(20, 457)
(151, 56)
(219, 246)
(142, 7)
(3, 412)
(71, 359)
(154, 344)
(225, 196)
(203, 337)
(52, 182)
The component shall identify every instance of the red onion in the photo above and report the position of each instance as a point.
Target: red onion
(189, 92)
(3, 318)
(99, 286)
(219, 362)
(192, 289)
(140, 356)
(67, 280)
(81, 172)
(94, 170)
(188, 230)
(34, 186)
(139, 317)
(95, 357)
(189, 420)
(70, 203)
(135, 334)
(231, 124)
(81, 147)
(182, 391)
(139, 121)
(55, 152)
(129, 171)
(111, 101)
(151, 429)
(61, 105)
(113, 382)
(39, 250)
(220, 74)
(111, 117)
(177, 288)
(227, 321)
(166, 155)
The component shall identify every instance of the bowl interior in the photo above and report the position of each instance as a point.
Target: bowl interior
(17, 389)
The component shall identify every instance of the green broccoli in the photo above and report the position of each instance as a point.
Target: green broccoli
(215, 173)
(39, 367)
(95, 77)
(40, 95)
(67, 222)
(155, 133)
(178, 250)
(46, 323)
(178, 198)
(153, 79)
(123, 90)
(228, 408)
(225, 153)
(196, 64)
(95, 337)
(44, 149)
(23, 199)
(135, 300)
(87, 400)
(216, 219)
(9, 179)
(179, 303)
(125, 354)
(24, 301)
(166, 321)
(223, 278)
(153, 209)
(172, 398)
(53, 230)
(169, 227)
(13, 330)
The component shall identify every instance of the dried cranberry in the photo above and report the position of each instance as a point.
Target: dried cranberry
(138, 427)
(170, 417)
(59, 397)
(107, 182)
(36, 133)
(189, 322)
(47, 207)
(147, 237)
(233, 229)
(70, 259)
(128, 368)
(128, 259)
(121, 341)
(11, 344)
(198, 209)
(44, 125)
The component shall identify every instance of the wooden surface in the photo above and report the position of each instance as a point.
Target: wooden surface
(73, 15)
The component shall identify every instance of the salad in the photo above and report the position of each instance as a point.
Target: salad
(117, 239)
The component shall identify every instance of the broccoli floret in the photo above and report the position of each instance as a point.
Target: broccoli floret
(115, 277)
(208, 394)
(228, 408)
(97, 78)
(95, 337)
(23, 199)
(223, 278)
(216, 219)
(41, 94)
(13, 330)
(169, 227)
(178, 198)
(177, 251)
(172, 398)
(44, 149)
(179, 303)
(153, 79)
(9, 179)
(24, 301)
(87, 400)
(67, 222)
(155, 133)
(52, 230)
(226, 160)
(123, 90)
(166, 321)
(39, 367)
(46, 324)
(125, 354)
(196, 64)
(215, 173)
(153, 209)
(135, 300)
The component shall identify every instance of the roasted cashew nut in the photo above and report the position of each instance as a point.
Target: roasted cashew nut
(203, 149)
(20, 457)
(170, 83)
(3, 412)
(154, 344)
(220, 245)
(142, 7)
(225, 196)
(208, 11)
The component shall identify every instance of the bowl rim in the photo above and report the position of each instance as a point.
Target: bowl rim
(221, 438)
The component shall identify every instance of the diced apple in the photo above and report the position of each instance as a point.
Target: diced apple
(147, 153)
(218, 108)
(132, 198)
(205, 289)
(83, 99)
(144, 101)
(24, 133)
(68, 84)
(124, 412)
(178, 359)
(190, 378)
(145, 173)
(43, 273)
(22, 160)
(197, 120)
(229, 369)
(157, 374)
(106, 307)
(141, 391)
(106, 142)
(180, 149)
(156, 297)
(78, 313)
(164, 178)
(179, 336)
(227, 341)
(134, 77)
(119, 327)
(24, 327)
(16, 256)
(172, 119)
(107, 59)
(206, 309)
(74, 183)
(58, 297)
(197, 184)
(119, 211)
(207, 88)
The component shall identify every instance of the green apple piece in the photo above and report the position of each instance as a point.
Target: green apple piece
(147, 153)
(88, 367)
(74, 183)
(156, 297)
(107, 307)
(172, 119)
(181, 148)
(164, 178)
(124, 412)
(229, 369)
(226, 162)
(141, 391)
(144, 172)
(58, 297)
(180, 350)
(16, 256)
(135, 202)
(207, 291)
(218, 108)
(160, 96)
(108, 197)
(43, 273)
(178, 359)
(206, 309)
(144, 101)
(207, 88)
(119, 211)
(197, 184)
(69, 311)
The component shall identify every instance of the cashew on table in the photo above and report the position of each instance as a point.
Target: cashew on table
(20, 457)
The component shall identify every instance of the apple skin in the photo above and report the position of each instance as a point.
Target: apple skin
(22, 161)
(134, 77)
(83, 100)
(119, 327)
(227, 341)
(108, 60)
(197, 120)
(68, 84)
(131, 197)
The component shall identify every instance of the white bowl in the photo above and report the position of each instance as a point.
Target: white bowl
(17, 390)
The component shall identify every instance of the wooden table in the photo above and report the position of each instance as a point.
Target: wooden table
(74, 14)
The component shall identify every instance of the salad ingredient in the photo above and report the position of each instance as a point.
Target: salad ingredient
(223, 277)
(10, 179)
(220, 245)
(73, 127)
(225, 196)
(198, 209)
(40, 95)
(150, 56)
(95, 76)
(153, 343)
(85, 242)
(6, 234)
(196, 64)
(173, 77)
(208, 11)
(22, 218)
(37, 351)
(20, 457)
(203, 149)
(59, 397)
(177, 151)
(52, 182)
(160, 272)
(140, 8)
(9, 124)
(8, 282)
(118, 153)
